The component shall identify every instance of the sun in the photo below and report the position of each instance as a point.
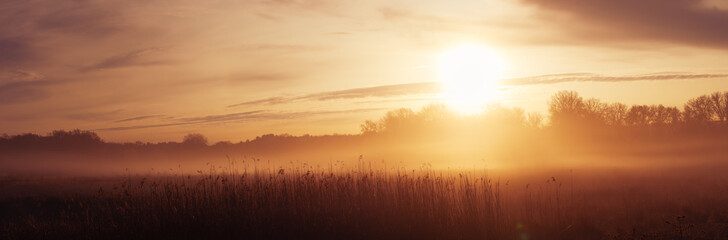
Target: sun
(470, 74)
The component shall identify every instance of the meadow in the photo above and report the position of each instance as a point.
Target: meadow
(251, 200)
(597, 171)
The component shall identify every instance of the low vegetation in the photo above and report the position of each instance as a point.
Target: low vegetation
(592, 170)
(334, 202)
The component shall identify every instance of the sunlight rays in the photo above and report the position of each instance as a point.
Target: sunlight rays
(470, 74)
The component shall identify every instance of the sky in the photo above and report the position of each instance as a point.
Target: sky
(156, 70)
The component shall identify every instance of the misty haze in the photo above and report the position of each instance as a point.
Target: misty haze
(317, 119)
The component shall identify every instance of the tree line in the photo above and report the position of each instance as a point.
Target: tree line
(566, 110)
(567, 107)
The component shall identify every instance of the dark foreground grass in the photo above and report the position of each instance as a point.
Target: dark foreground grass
(423, 204)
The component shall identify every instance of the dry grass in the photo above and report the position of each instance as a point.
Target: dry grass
(305, 202)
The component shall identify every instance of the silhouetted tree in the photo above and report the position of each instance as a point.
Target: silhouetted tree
(661, 115)
(673, 115)
(76, 138)
(195, 139)
(639, 115)
(699, 110)
(397, 120)
(658, 115)
(75, 135)
(369, 127)
(720, 105)
(566, 107)
(615, 114)
(594, 110)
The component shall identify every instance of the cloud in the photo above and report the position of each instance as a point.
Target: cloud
(425, 23)
(299, 3)
(19, 75)
(23, 91)
(590, 77)
(265, 101)
(420, 99)
(281, 47)
(133, 58)
(20, 86)
(140, 127)
(15, 52)
(225, 117)
(432, 88)
(94, 116)
(40, 34)
(238, 117)
(261, 76)
(393, 14)
(689, 22)
(81, 18)
(378, 91)
(139, 118)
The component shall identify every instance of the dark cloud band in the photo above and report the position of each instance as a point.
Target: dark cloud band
(431, 88)
(689, 22)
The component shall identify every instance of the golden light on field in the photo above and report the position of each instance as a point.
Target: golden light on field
(470, 74)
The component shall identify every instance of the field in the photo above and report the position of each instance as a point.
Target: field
(250, 200)
(324, 119)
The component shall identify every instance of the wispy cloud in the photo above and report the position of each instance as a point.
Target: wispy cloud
(139, 118)
(34, 31)
(590, 77)
(288, 48)
(261, 76)
(430, 22)
(378, 91)
(94, 115)
(16, 52)
(299, 3)
(265, 101)
(19, 75)
(431, 88)
(23, 91)
(226, 117)
(81, 18)
(127, 59)
(238, 117)
(691, 22)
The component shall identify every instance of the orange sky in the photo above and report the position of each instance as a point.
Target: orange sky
(232, 70)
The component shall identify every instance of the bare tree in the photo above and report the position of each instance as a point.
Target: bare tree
(673, 115)
(724, 106)
(397, 120)
(615, 114)
(699, 110)
(639, 115)
(720, 105)
(566, 106)
(594, 110)
(369, 127)
(658, 115)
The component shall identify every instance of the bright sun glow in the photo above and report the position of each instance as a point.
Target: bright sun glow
(470, 75)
